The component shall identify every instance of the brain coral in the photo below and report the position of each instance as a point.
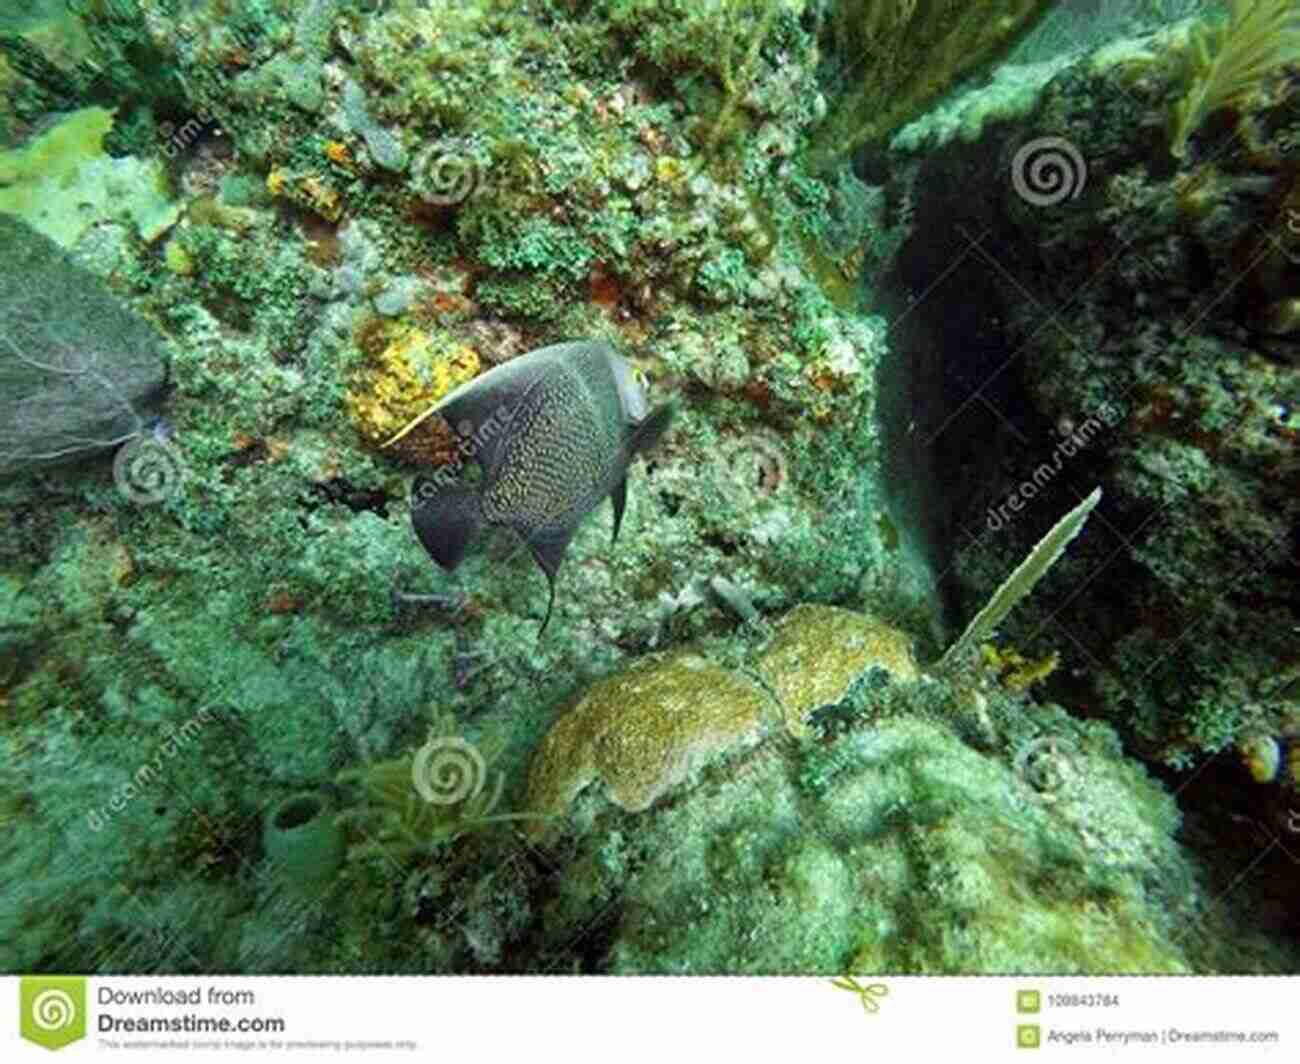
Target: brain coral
(645, 730)
(819, 651)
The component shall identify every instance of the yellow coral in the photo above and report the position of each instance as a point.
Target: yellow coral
(1015, 671)
(337, 152)
(307, 191)
(819, 651)
(645, 730)
(670, 170)
(324, 200)
(411, 373)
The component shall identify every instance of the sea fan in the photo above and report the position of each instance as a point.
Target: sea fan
(1228, 61)
(78, 368)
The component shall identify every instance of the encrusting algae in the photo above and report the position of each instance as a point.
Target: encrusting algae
(410, 372)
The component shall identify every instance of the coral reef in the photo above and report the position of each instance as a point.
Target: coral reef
(62, 183)
(80, 371)
(856, 884)
(651, 727)
(1130, 337)
(1046, 852)
(1163, 383)
(351, 208)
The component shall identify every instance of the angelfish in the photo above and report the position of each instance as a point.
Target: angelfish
(553, 432)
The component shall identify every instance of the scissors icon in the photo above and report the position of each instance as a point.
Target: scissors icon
(866, 994)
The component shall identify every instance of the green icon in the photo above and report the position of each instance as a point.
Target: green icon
(52, 1009)
(1028, 1036)
(866, 994)
(1027, 1001)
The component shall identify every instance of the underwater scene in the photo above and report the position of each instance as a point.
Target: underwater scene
(650, 486)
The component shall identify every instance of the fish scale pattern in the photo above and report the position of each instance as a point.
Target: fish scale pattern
(556, 461)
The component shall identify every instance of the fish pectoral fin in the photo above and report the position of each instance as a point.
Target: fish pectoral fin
(619, 498)
(647, 432)
(548, 547)
(445, 520)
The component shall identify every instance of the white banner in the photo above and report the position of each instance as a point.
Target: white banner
(627, 1020)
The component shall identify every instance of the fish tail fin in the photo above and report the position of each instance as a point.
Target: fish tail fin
(648, 432)
(445, 519)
